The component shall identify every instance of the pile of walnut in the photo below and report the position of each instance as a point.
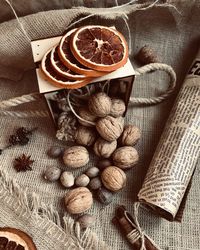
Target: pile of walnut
(112, 142)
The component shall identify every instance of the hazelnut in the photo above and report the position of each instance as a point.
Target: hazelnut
(85, 136)
(95, 183)
(67, 179)
(103, 148)
(100, 104)
(86, 220)
(146, 55)
(52, 173)
(104, 196)
(102, 164)
(78, 200)
(55, 152)
(88, 116)
(82, 180)
(113, 178)
(130, 135)
(76, 157)
(125, 157)
(92, 172)
(110, 128)
(118, 107)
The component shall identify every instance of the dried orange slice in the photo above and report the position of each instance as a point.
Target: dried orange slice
(57, 80)
(61, 68)
(70, 61)
(15, 239)
(99, 47)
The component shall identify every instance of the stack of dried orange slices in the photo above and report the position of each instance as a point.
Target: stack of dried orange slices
(84, 54)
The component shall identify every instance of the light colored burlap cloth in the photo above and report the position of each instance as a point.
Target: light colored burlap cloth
(174, 36)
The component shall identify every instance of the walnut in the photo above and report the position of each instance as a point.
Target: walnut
(125, 157)
(100, 104)
(85, 136)
(118, 107)
(103, 148)
(76, 157)
(78, 200)
(88, 116)
(130, 135)
(110, 128)
(113, 178)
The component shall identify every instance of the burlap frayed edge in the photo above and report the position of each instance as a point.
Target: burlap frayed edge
(29, 205)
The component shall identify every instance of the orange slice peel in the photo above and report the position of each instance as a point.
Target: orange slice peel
(100, 48)
(57, 80)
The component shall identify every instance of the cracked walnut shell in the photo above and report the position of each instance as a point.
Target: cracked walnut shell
(78, 200)
(76, 157)
(130, 135)
(100, 104)
(113, 178)
(125, 157)
(110, 128)
(103, 148)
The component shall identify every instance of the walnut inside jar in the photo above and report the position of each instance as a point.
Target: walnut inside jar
(118, 107)
(88, 119)
(99, 104)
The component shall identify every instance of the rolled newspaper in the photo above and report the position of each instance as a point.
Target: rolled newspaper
(177, 153)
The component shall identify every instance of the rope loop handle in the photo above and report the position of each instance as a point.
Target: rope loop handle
(153, 67)
(13, 102)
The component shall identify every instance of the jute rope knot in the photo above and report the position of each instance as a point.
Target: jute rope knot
(137, 233)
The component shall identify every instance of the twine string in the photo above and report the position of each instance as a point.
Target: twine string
(74, 112)
(137, 233)
(18, 21)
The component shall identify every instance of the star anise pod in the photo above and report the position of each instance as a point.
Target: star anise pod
(23, 163)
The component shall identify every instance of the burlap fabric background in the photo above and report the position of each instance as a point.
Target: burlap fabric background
(175, 37)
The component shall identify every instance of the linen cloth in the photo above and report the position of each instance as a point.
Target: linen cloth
(175, 37)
